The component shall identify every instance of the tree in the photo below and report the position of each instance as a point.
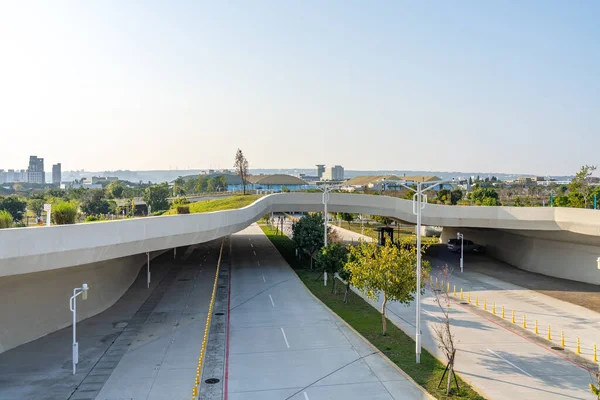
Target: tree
(156, 196)
(381, 220)
(455, 196)
(331, 259)
(595, 385)
(443, 196)
(388, 270)
(64, 213)
(6, 219)
(201, 184)
(470, 181)
(36, 206)
(561, 201)
(442, 331)
(579, 188)
(485, 197)
(114, 190)
(241, 167)
(221, 183)
(348, 217)
(15, 205)
(211, 185)
(190, 185)
(307, 234)
(179, 187)
(93, 202)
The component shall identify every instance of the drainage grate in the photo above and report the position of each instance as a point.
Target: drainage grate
(464, 302)
(219, 313)
(183, 279)
(557, 348)
(212, 381)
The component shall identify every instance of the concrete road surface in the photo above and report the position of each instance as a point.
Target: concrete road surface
(286, 345)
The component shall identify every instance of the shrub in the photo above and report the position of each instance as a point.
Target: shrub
(64, 213)
(183, 209)
(6, 219)
(181, 201)
(91, 218)
(156, 213)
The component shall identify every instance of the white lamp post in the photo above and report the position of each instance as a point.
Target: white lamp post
(419, 202)
(461, 237)
(73, 307)
(148, 263)
(598, 262)
(326, 189)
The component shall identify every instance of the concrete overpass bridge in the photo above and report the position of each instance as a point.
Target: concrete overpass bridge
(39, 267)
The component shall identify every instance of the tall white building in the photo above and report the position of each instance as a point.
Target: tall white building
(335, 173)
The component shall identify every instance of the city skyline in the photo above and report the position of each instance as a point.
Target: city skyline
(402, 86)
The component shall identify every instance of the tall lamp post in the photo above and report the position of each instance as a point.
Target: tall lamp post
(326, 189)
(461, 237)
(73, 307)
(419, 202)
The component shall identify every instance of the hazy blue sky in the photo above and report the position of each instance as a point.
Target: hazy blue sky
(506, 86)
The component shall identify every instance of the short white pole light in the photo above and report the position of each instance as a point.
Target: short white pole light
(73, 307)
(598, 262)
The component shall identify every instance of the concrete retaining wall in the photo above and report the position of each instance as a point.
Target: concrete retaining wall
(557, 258)
(36, 304)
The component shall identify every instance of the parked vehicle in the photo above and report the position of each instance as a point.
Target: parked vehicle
(468, 246)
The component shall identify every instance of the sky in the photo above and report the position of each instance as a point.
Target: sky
(497, 86)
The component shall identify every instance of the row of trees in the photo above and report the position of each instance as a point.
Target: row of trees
(199, 184)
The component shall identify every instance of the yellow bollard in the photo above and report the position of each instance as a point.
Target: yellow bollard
(494, 308)
(197, 379)
(513, 316)
(578, 346)
(436, 280)
(477, 300)
(447, 286)
(549, 335)
(536, 327)
(485, 303)
(454, 285)
(502, 312)
(461, 294)
(469, 298)
(562, 338)
(595, 356)
(195, 390)
(524, 321)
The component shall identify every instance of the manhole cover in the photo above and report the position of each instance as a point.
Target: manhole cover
(464, 302)
(120, 324)
(211, 381)
(557, 348)
(219, 313)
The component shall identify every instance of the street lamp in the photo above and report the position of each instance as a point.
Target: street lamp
(461, 237)
(73, 307)
(419, 202)
(326, 189)
(598, 262)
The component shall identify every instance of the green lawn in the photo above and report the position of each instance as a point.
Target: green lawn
(399, 233)
(399, 347)
(227, 203)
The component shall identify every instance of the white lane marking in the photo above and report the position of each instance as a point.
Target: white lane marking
(251, 245)
(272, 302)
(258, 263)
(432, 315)
(306, 396)
(255, 252)
(264, 280)
(502, 358)
(285, 338)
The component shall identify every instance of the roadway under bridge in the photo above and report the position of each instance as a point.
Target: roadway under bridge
(39, 267)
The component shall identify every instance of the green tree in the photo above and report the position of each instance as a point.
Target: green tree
(64, 213)
(307, 234)
(179, 187)
(211, 185)
(114, 190)
(6, 219)
(156, 196)
(348, 217)
(93, 202)
(579, 188)
(332, 259)
(15, 205)
(381, 220)
(443, 196)
(388, 270)
(190, 185)
(485, 197)
(561, 201)
(221, 183)
(455, 196)
(201, 184)
(36, 206)
(241, 167)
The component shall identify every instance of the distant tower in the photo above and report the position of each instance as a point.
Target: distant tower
(56, 173)
(320, 170)
(35, 172)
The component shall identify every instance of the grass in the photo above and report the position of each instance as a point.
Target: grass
(397, 346)
(399, 233)
(227, 203)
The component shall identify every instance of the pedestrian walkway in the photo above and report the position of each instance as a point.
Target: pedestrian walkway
(284, 344)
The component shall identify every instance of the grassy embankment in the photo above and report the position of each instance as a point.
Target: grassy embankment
(399, 233)
(227, 203)
(397, 346)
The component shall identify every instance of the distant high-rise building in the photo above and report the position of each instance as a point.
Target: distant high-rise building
(35, 172)
(335, 173)
(56, 173)
(2, 176)
(320, 170)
